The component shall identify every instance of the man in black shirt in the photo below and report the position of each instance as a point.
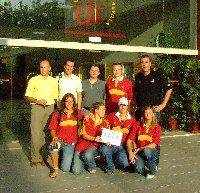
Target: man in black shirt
(150, 87)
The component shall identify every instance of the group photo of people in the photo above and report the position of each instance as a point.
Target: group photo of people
(83, 125)
(99, 96)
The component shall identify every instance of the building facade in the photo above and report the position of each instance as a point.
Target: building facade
(152, 23)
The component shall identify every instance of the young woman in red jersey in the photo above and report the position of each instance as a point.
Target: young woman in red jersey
(143, 143)
(87, 147)
(64, 132)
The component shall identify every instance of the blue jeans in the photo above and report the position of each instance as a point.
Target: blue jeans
(68, 153)
(86, 157)
(148, 155)
(109, 151)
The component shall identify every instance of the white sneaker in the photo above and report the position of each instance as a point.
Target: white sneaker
(110, 173)
(150, 176)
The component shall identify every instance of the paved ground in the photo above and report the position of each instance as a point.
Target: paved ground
(179, 172)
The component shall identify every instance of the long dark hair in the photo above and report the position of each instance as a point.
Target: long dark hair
(62, 103)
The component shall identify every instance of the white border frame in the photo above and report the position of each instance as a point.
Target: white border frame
(93, 46)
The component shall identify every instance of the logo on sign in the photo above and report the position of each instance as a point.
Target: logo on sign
(80, 14)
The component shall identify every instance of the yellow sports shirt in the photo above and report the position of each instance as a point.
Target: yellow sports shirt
(40, 88)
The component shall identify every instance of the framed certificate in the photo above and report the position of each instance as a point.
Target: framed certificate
(110, 136)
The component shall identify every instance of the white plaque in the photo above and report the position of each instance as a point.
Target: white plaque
(111, 136)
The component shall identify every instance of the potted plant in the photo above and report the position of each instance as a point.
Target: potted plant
(173, 122)
(172, 113)
(193, 107)
(184, 104)
(178, 106)
(190, 90)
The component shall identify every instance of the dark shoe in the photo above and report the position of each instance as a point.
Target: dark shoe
(126, 169)
(33, 164)
(42, 163)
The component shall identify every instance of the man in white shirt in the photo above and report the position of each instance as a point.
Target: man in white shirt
(70, 83)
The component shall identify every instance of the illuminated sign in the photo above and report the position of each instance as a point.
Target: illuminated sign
(90, 18)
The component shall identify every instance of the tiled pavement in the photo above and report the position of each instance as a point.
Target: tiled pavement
(178, 172)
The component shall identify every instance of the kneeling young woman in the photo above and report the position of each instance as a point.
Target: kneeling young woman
(143, 143)
(64, 132)
(87, 147)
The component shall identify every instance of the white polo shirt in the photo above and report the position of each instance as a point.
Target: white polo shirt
(69, 85)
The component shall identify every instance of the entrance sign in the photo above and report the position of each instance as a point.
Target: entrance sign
(91, 18)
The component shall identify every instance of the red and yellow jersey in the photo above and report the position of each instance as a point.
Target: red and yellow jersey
(119, 125)
(92, 128)
(67, 129)
(143, 136)
(117, 89)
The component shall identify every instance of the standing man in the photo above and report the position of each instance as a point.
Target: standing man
(42, 93)
(116, 88)
(93, 88)
(70, 83)
(150, 86)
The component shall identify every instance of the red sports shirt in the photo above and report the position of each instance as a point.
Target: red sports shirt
(117, 89)
(117, 124)
(142, 136)
(93, 129)
(67, 129)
